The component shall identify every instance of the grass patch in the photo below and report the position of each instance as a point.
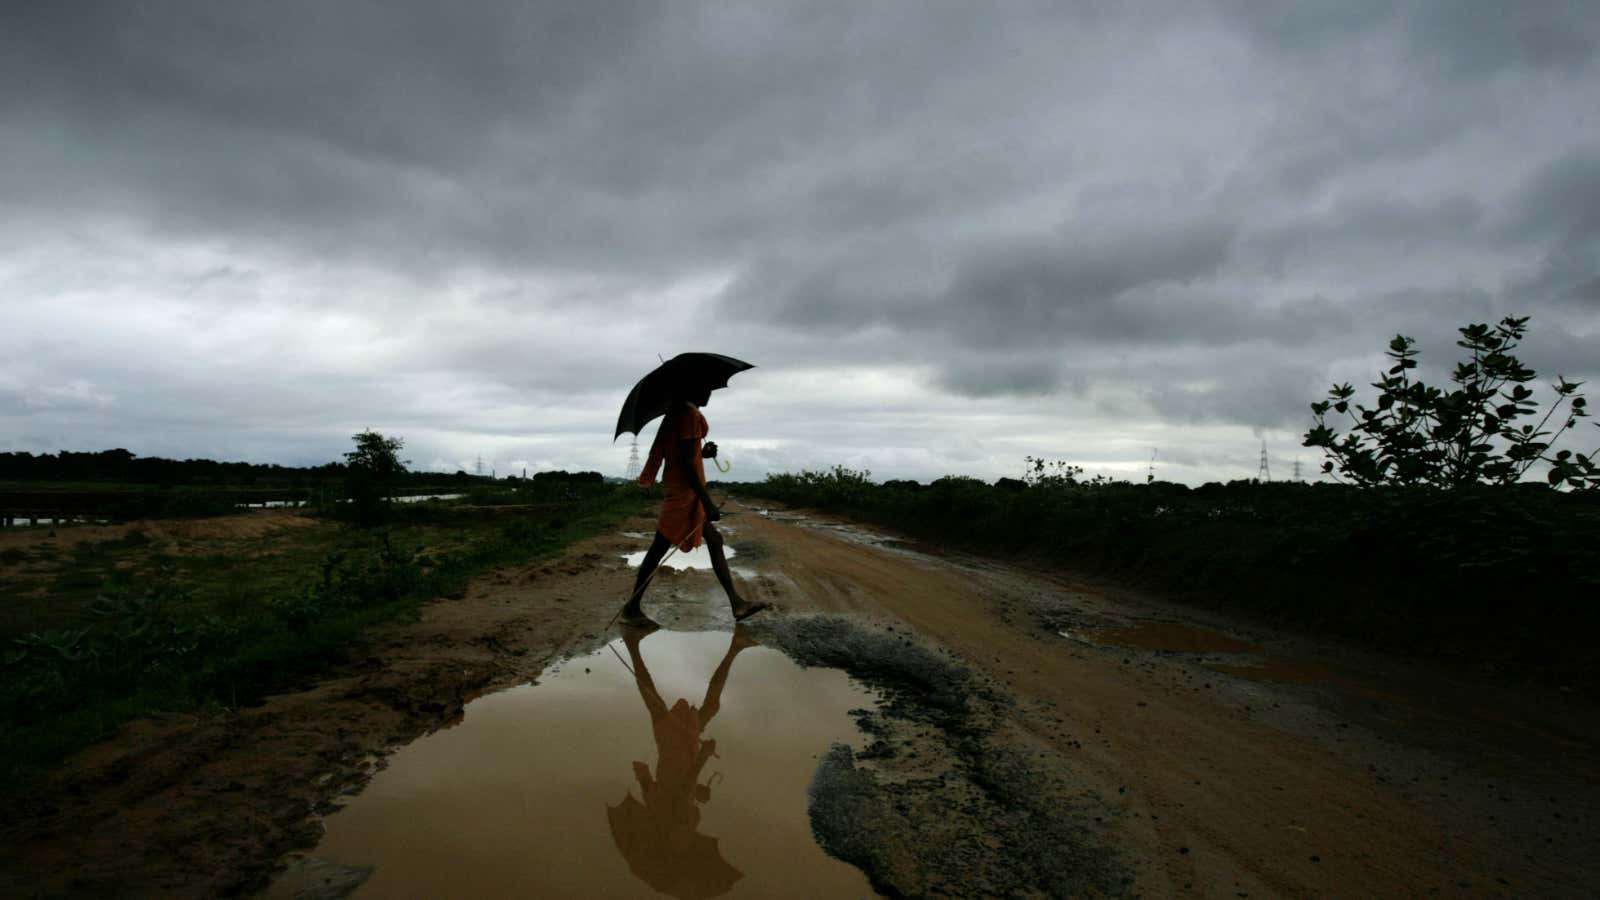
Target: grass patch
(138, 625)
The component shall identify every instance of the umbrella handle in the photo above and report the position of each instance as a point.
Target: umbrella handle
(724, 469)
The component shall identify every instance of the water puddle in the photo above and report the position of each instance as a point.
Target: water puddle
(676, 764)
(698, 558)
(47, 522)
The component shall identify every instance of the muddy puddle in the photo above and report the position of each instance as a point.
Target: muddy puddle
(672, 765)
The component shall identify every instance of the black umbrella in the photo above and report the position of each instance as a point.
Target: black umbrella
(683, 375)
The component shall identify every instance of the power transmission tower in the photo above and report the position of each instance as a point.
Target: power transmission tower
(633, 461)
(479, 470)
(1264, 471)
(1150, 476)
(1297, 468)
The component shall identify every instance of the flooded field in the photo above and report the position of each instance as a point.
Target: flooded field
(675, 763)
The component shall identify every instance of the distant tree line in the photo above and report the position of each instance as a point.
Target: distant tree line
(120, 466)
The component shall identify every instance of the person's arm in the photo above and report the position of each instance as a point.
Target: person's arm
(686, 460)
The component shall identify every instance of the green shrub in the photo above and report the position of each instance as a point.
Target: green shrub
(1486, 430)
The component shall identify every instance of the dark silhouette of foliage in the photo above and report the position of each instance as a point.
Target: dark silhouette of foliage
(1480, 432)
(120, 466)
(1437, 567)
(371, 470)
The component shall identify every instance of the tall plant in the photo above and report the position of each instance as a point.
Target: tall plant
(1487, 429)
(370, 469)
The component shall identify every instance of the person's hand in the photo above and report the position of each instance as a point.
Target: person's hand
(712, 513)
(709, 451)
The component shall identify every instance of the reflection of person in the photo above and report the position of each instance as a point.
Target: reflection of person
(687, 512)
(659, 837)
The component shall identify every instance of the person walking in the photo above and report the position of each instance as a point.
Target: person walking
(687, 513)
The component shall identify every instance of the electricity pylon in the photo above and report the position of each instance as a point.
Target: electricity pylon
(1264, 471)
(633, 460)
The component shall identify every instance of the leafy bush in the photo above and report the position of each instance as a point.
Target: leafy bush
(1477, 433)
(135, 636)
(382, 576)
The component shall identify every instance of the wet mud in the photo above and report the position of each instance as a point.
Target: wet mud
(949, 798)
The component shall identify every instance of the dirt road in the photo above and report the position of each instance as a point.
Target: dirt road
(1205, 758)
(1244, 762)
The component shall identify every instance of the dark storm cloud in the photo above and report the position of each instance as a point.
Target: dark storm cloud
(1069, 284)
(1560, 199)
(1465, 38)
(1379, 221)
(1557, 210)
(1448, 38)
(1002, 376)
(1022, 224)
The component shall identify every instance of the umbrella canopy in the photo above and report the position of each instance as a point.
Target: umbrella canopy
(689, 868)
(686, 374)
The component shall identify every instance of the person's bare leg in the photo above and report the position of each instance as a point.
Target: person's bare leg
(641, 676)
(742, 608)
(713, 699)
(633, 614)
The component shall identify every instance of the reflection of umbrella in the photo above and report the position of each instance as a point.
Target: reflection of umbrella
(695, 872)
(686, 373)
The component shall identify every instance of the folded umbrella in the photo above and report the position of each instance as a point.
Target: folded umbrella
(686, 374)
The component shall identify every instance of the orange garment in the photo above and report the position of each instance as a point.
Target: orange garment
(682, 515)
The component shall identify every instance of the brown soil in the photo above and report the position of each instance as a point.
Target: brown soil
(1238, 761)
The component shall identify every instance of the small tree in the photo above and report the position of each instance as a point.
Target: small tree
(1037, 472)
(1480, 432)
(370, 470)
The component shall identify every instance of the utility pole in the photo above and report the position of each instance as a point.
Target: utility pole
(1264, 471)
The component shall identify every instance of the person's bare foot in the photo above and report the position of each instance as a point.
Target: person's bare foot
(744, 609)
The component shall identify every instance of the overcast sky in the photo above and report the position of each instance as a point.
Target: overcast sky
(948, 235)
